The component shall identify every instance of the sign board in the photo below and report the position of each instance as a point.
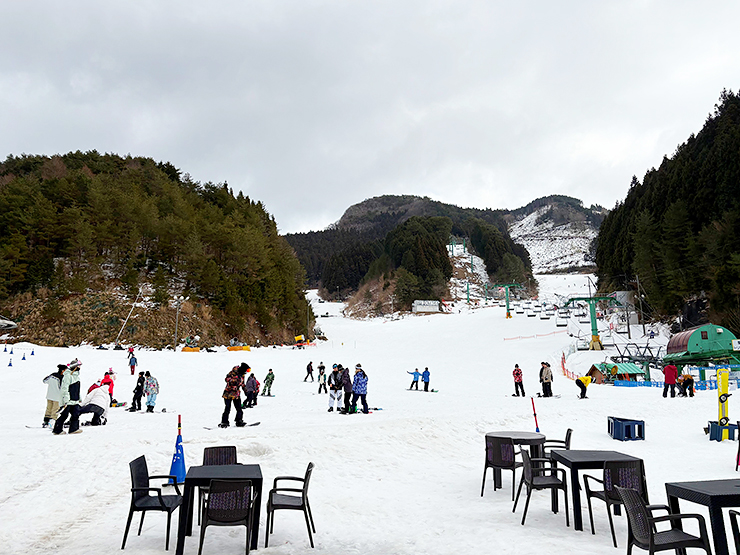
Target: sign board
(425, 306)
(736, 344)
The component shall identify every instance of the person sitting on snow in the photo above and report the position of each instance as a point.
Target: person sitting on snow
(97, 402)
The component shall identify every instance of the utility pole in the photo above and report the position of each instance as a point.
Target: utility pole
(639, 297)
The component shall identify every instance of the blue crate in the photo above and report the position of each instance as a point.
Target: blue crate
(715, 431)
(625, 429)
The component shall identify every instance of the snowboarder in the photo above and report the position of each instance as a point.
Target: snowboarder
(518, 383)
(251, 391)
(231, 395)
(97, 402)
(53, 394)
(347, 384)
(108, 380)
(359, 389)
(268, 383)
(685, 385)
(415, 383)
(425, 378)
(670, 373)
(322, 379)
(70, 400)
(151, 390)
(335, 388)
(138, 392)
(582, 383)
(546, 379)
(322, 367)
(130, 352)
(132, 362)
(309, 371)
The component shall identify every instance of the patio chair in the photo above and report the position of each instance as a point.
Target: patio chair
(536, 478)
(733, 522)
(142, 502)
(643, 533)
(277, 500)
(500, 454)
(551, 444)
(214, 456)
(625, 474)
(737, 457)
(229, 503)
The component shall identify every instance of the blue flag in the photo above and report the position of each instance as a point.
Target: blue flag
(178, 462)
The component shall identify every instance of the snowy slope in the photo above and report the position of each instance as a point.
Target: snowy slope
(404, 480)
(553, 247)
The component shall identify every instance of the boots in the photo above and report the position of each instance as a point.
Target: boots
(149, 408)
(223, 425)
(331, 409)
(240, 424)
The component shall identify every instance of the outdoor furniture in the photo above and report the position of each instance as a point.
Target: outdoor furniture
(578, 460)
(536, 478)
(229, 503)
(201, 476)
(500, 455)
(714, 494)
(142, 501)
(277, 500)
(643, 533)
(625, 429)
(625, 474)
(214, 456)
(531, 439)
(735, 531)
(551, 444)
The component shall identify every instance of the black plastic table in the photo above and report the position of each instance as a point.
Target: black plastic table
(533, 439)
(577, 460)
(202, 476)
(713, 494)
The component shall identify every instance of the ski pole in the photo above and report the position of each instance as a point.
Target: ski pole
(536, 426)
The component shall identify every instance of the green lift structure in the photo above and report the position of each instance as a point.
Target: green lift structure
(506, 287)
(595, 344)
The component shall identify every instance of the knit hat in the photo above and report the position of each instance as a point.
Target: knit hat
(74, 364)
(244, 368)
(61, 367)
(516, 366)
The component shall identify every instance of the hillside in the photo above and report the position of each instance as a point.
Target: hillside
(678, 231)
(86, 230)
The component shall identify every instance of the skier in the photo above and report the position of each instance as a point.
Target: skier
(70, 400)
(425, 378)
(151, 390)
(132, 362)
(518, 383)
(234, 382)
(335, 388)
(347, 384)
(359, 389)
(268, 383)
(251, 390)
(321, 379)
(309, 371)
(582, 383)
(546, 379)
(670, 373)
(53, 394)
(415, 382)
(97, 402)
(138, 392)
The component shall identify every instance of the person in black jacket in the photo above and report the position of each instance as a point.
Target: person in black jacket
(138, 393)
(347, 383)
(309, 371)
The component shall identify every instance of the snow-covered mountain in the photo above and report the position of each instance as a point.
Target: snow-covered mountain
(557, 235)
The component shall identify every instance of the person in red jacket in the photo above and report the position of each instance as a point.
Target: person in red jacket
(108, 380)
(670, 373)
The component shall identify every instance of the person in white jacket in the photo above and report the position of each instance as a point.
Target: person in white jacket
(53, 394)
(70, 400)
(97, 402)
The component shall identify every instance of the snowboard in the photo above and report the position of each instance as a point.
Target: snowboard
(430, 391)
(578, 397)
(119, 404)
(52, 427)
(219, 428)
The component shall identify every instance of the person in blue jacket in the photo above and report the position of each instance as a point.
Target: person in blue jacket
(415, 383)
(359, 389)
(425, 378)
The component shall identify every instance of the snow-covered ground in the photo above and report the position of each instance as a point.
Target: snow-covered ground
(404, 480)
(553, 247)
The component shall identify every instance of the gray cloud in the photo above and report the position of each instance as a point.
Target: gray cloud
(310, 106)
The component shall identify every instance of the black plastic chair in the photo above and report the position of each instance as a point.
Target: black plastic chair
(556, 444)
(213, 456)
(277, 500)
(643, 533)
(536, 478)
(229, 503)
(625, 474)
(142, 502)
(737, 457)
(733, 522)
(500, 454)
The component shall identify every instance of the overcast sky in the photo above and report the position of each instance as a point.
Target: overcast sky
(312, 106)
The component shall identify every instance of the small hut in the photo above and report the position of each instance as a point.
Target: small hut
(607, 372)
